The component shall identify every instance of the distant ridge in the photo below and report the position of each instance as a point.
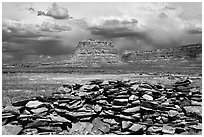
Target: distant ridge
(178, 55)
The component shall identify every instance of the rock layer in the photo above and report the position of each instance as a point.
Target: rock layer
(94, 53)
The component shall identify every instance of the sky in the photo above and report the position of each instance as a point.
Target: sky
(51, 29)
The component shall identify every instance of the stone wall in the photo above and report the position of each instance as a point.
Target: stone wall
(108, 107)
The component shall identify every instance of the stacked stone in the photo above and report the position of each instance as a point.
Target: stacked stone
(108, 107)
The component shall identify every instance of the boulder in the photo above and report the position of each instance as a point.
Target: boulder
(168, 129)
(33, 104)
(132, 110)
(57, 118)
(11, 129)
(126, 124)
(153, 129)
(137, 128)
(133, 98)
(99, 125)
(39, 110)
(147, 97)
(81, 128)
(173, 113)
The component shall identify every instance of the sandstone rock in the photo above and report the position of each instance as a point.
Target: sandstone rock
(30, 131)
(81, 128)
(37, 123)
(126, 124)
(168, 129)
(193, 110)
(132, 110)
(147, 97)
(185, 102)
(11, 109)
(80, 114)
(136, 102)
(136, 116)
(196, 103)
(134, 87)
(39, 110)
(150, 104)
(33, 104)
(58, 118)
(101, 126)
(133, 98)
(161, 99)
(110, 121)
(153, 129)
(165, 119)
(137, 128)
(124, 117)
(97, 108)
(173, 113)
(11, 129)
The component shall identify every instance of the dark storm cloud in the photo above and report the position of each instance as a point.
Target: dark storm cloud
(21, 39)
(55, 12)
(195, 31)
(115, 32)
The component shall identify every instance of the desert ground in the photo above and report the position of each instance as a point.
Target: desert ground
(26, 85)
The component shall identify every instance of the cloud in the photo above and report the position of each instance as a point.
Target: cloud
(41, 13)
(55, 12)
(31, 9)
(193, 26)
(54, 27)
(115, 27)
(22, 38)
(154, 26)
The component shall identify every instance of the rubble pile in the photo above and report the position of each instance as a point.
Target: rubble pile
(108, 107)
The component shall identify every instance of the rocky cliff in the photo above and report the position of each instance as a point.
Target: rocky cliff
(94, 53)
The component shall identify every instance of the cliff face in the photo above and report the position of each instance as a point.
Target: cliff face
(94, 53)
(183, 54)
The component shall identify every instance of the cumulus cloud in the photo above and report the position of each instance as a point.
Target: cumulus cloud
(55, 12)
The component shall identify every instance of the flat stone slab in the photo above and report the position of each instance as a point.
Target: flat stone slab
(11, 129)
